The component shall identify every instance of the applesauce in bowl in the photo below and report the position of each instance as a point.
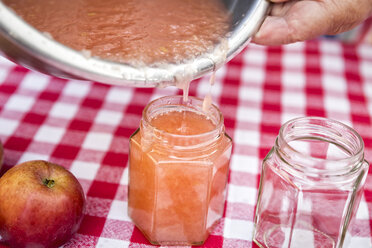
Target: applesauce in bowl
(136, 32)
(127, 42)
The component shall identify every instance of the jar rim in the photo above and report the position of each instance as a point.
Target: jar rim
(193, 103)
(354, 157)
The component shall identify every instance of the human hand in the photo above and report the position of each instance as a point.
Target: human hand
(298, 20)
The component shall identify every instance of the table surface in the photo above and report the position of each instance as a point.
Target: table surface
(85, 126)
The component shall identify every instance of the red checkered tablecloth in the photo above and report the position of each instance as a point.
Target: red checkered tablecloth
(85, 127)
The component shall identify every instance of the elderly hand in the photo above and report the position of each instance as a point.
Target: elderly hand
(298, 20)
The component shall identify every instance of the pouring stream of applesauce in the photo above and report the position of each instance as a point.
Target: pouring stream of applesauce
(208, 97)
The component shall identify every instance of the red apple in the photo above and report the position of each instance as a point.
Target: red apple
(41, 205)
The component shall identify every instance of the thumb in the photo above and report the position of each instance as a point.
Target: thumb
(293, 22)
(273, 31)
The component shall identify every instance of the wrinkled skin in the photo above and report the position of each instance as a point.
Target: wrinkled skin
(297, 20)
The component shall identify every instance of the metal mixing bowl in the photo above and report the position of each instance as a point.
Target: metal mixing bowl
(30, 48)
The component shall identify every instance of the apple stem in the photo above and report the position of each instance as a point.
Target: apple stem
(48, 182)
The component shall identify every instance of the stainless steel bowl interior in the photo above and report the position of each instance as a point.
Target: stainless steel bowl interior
(30, 48)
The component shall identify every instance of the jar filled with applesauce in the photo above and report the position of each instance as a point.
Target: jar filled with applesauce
(178, 170)
(311, 185)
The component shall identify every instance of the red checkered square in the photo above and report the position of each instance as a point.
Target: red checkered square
(92, 225)
(80, 125)
(92, 103)
(213, 241)
(138, 238)
(115, 159)
(103, 190)
(34, 118)
(49, 96)
(66, 151)
(17, 143)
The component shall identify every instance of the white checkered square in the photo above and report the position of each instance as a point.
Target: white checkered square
(160, 92)
(28, 156)
(238, 229)
(250, 93)
(293, 60)
(330, 47)
(367, 88)
(49, 134)
(5, 62)
(63, 110)
(124, 177)
(249, 114)
(97, 141)
(108, 117)
(119, 210)
(337, 104)
(19, 103)
(35, 81)
(365, 68)
(334, 83)
(300, 238)
(7, 126)
(253, 75)
(242, 194)
(293, 99)
(362, 212)
(293, 79)
(364, 50)
(304, 204)
(84, 170)
(332, 63)
(245, 163)
(204, 88)
(286, 116)
(255, 56)
(76, 88)
(119, 95)
(247, 137)
(112, 243)
(3, 74)
(5, 67)
(359, 242)
(220, 73)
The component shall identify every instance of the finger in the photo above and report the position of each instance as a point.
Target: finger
(281, 9)
(294, 24)
(303, 20)
(274, 31)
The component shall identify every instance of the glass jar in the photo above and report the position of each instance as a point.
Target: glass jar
(177, 182)
(311, 185)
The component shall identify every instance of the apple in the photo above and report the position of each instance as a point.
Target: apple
(41, 205)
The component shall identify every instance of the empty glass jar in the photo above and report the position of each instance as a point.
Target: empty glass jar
(311, 185)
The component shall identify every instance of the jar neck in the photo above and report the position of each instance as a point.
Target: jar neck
(156, 138)
(319, 147)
